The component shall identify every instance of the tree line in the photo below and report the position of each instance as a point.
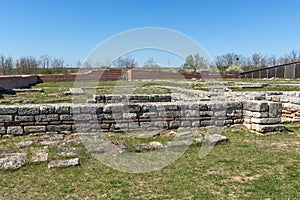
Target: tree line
(31, 65)
(231, 62)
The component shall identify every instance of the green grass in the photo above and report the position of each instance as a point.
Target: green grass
(248, 167)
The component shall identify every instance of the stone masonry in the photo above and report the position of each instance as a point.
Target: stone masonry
(260, 116)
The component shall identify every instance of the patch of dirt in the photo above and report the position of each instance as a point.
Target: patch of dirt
(243, 178)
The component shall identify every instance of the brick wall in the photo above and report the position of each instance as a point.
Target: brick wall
(10, 82)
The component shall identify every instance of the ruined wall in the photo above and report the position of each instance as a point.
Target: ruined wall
(69, 118)
(66, 118)
(10, 82)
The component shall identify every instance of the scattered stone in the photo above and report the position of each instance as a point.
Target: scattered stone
(198, 141)
(13, 161)
(74, 91)
(171, 133)
(179, 143)
(213, 139)
(64, 163)
(156, 145)
(184, 135)
(149, 134)
(142, 148)
(49, 143)
(123, 147)
(39, 155)
(24, 143)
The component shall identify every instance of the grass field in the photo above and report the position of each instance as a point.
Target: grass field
(248, 167)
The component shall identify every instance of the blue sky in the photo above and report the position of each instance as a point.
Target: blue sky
(72, 28)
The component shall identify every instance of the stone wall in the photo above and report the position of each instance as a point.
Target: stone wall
(10, 82)
(66, 118)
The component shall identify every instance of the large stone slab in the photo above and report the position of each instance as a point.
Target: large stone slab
(64, 163)
(13, 161)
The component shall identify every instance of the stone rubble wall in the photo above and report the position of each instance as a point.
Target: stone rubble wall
(70, 118)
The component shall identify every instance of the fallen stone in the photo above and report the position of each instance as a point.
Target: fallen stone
(213, 139)
(156, 145)
(49, 143)
(184, 135)
(40, 155)
(13, 161)
(179, 143)
(64, 163)
(25, 143)
(142, 148)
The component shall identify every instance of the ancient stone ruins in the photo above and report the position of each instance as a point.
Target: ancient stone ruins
(58, 124)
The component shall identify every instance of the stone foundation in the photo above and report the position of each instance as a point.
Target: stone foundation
(260, 116)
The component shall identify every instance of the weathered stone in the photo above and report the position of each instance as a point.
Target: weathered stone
(49, 143)
(47, 109)
(129, 115)
(46, 118)
(66, 117)
(265, 120)
(179, 143)
(275, 109)
(62, 109)
(64, 163)
(25, 143)
(59, 128)
(267, 128)
(28, 110)
(156, 145)
(8, 110)
(258, 106)
(185, 124)
(142, 147)
(212, 139)
(15, 130)
(34, 129)
(24, 118)
(174, 124)
(6, 118)
(82, 117)
(184, 135)
(2, 130)
(39, 155)
(13, 161)
(255, 114)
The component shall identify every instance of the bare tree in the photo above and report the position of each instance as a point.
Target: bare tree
(127, 62)
(195, 62)
(27, 65)
(256, 59)
(57, 63)
(272, 60)
(6, 65)
(45, 61)
(151, 63)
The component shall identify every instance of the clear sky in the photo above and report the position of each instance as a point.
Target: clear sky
(72, 28)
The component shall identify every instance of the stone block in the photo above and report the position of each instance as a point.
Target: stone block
(62, 109)
(47, 109)
(15, 130)
(161, 124)
(129, 115)
(265, 120)
(191, 113)
(29, 110)
(248, 113)
(34, 129)
(258, 106)
(267, 128)
(2, 130)
(185, 124)
(8, 110)
(6, 118)
(82, 117)
(24, 118)
(275, 109)
(59, 128)
(66, 117)
(195, 123)
(46, 118)
(64, 163)
(174, 124)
